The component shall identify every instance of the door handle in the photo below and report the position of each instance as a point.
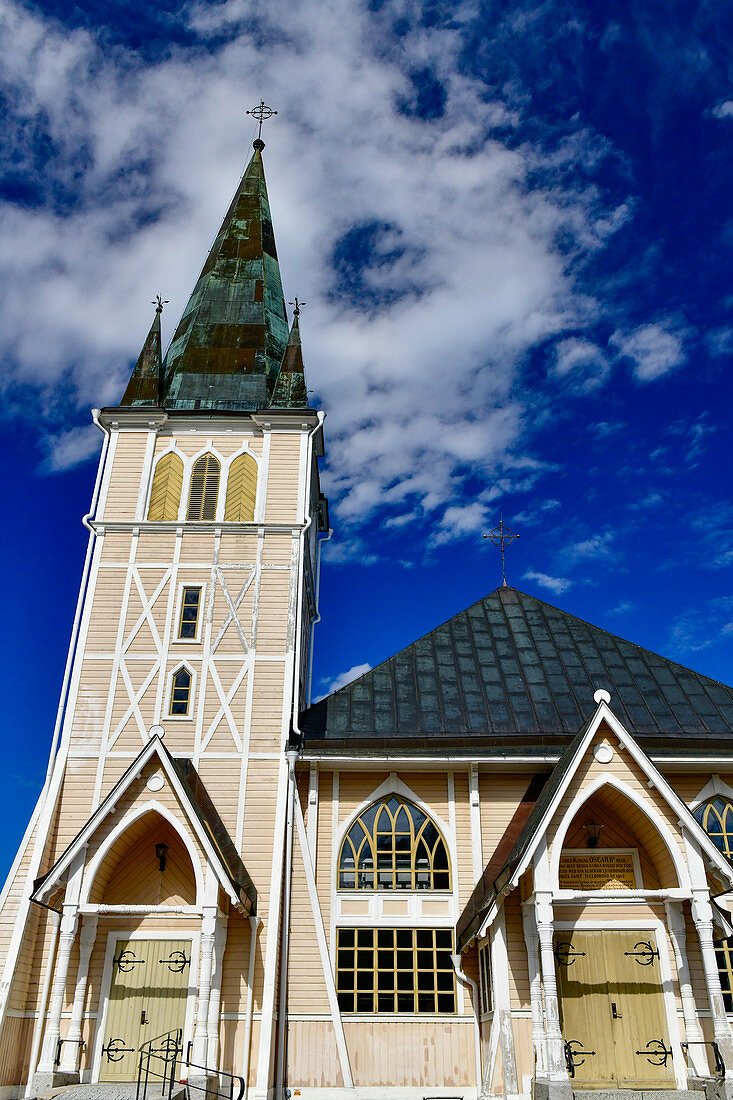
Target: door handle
(143, 1017)
(615, 1012)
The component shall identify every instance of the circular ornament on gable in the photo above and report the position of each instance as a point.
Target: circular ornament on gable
(155, 782)
(156, 731)
(603, 753)
(601, 696)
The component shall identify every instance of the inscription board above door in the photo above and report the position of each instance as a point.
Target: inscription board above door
(588, 869)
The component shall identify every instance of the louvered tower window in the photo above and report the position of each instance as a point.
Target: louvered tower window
(241, 490)
(204, 491)
(165, 495)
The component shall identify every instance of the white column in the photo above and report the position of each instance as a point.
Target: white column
(539, 1035)
(67, 933)
(556, 1067)
(702, 914)
(71, 1049)
(201, 1031)
(502, 1002)
(696, 1055)
(220, 939)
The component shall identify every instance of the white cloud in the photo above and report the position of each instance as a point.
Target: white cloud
(583, 364)
(558, 585)
(723, 110)
(344, 678)
(654, 349)
(473, 266)
(67, 449)
(597, 546)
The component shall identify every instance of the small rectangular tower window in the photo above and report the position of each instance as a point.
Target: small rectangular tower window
(188, 624)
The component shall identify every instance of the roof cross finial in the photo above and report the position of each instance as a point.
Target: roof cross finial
(159, 302)
(502, 537)
(260, 114)
(298, 306)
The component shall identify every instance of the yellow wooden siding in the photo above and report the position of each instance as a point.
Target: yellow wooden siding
(132, 874)
(165, 495)
(283, 477)
(124, 484)
(241, 490)
(516, 952)
(15, 1041)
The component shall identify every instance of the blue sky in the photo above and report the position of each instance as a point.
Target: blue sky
(511, 223)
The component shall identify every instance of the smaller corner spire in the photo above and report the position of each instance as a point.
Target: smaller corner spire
(145, 385)
(290, 391)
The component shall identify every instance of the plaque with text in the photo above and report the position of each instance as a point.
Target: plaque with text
(597, 869)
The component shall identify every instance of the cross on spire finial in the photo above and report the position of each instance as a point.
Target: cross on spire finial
(260, 114)
(159, 302)
(298, 306)
(502, 537)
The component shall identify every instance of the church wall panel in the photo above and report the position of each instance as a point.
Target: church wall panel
(272, 625)
(277, 548)
(155, 547)
(235, 966)
(516, 952)
(415, 1052)
(124, 484)
(499, 795)
(306, 983)
(267, 705)
(223, 778)
(312, 1055)
(15, 1050)
(16, 892)
(197, 546)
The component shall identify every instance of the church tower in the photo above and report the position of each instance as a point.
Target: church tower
(146, 897)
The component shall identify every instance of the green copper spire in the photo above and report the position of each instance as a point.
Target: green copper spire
(146, 378)
(290, 391)
(228, 347)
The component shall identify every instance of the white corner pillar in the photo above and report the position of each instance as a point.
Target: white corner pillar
(71, 1050)
(556, 1082)
(48, 1074)
(696, 1056)
(702, 914)
(539, 1035)
(502, 1003)
(200, 1046)
(220, 939)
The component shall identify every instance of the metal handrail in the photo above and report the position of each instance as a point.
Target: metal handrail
(168, 1052)
(217, 1073)
(719, 1063)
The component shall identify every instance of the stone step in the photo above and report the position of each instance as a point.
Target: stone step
(109, 1090)
(636, 1094)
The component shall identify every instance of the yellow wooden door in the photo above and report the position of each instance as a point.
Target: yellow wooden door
(638, 1017)
(147, 997)
(583, 989)
(612, 1009)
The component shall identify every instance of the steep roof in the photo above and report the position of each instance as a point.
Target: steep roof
(513, 674)
(227, 350)
(290, 391)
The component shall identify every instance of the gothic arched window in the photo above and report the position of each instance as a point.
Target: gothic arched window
(241, 490)
(181, 683)
(204, 491)
(165, 494)
(393, 845)
(716, 818)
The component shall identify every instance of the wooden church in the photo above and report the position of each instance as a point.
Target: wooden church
(499, 864)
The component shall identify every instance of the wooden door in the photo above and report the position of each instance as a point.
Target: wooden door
(612, 1009)
(147, 997)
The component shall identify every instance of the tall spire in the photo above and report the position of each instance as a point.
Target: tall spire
(229, 344)
(146, 379)
(290, 391)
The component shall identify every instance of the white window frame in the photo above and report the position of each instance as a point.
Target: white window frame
(175, 640)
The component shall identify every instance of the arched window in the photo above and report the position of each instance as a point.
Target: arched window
(241, 490)
(165, 495)
(204, 491)
(180, 693)
(716, 818)
(393, 845)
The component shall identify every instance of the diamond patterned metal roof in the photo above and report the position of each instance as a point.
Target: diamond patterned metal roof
(516, 675)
